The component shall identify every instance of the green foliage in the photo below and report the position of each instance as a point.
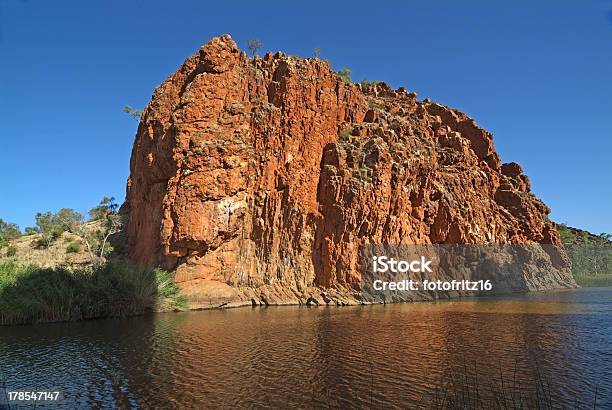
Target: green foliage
(30, 230)
(40, 243)
(590, 259)
(8, 231)
(11, 251)
(592, 281)
(73, 247)
(345, 75)
(51, 225)
(65, 219)
(567, 236)
(132, 112)
(591, 255)
(97, 240)
(45, 226)
(29, 294)
(106, 207)
(365, 82)
(346, 133)
(374, 104)
(253, 45)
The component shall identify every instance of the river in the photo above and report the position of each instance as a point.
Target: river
(383, 356)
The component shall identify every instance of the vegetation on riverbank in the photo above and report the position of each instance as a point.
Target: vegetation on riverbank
(594, 281)
(591, 256)
(68, 268)
(29, 294)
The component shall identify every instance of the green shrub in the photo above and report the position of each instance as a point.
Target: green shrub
(132, 112)
(31, 230)
(365, 82)
(73, 247)
(345, 134)
(591, 255)
(40, 243)
(567, 236)
(30, 294)
(11, 251)
(345, 75)
(51, 225)
(374, 104)
(594, 280)
(8, 231)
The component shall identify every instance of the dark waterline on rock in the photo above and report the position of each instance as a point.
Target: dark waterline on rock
(389, 356)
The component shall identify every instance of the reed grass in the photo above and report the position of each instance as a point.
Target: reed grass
(466, 389)
(30, 294)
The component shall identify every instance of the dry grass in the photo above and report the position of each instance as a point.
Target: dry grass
(28, 253)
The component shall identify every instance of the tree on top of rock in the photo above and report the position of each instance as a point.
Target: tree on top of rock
(345, 74)
(253, 45)
(132, 112)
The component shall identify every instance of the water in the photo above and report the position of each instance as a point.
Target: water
(392, 356)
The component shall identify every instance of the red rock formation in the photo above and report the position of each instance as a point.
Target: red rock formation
(260, 178)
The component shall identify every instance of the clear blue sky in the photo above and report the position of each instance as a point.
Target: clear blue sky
(536, 74)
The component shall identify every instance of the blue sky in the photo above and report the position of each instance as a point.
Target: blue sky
(536, 74)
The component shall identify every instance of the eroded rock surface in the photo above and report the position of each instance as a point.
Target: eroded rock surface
(257, 180)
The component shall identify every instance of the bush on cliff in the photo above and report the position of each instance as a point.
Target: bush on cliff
(29, 294)
(345, 75)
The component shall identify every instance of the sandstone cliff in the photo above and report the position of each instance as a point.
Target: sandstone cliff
(259, 179)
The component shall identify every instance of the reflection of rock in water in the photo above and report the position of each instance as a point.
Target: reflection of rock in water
(264, 176)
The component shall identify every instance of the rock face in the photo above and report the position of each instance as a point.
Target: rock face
(257, 180)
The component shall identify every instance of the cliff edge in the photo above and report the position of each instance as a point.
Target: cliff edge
(257, 180)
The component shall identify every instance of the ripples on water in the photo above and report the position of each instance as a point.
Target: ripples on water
(392, 356)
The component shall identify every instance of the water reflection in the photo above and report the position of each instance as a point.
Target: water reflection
(373, 356)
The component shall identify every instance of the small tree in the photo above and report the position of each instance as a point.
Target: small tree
(365, 82)
(316, 52)
(253, 45)
(345, 75)
(30, 230)
(66, 218)
(8, 231)
(132, 112)
(96, 240)
(107, 205)
(45, 225)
